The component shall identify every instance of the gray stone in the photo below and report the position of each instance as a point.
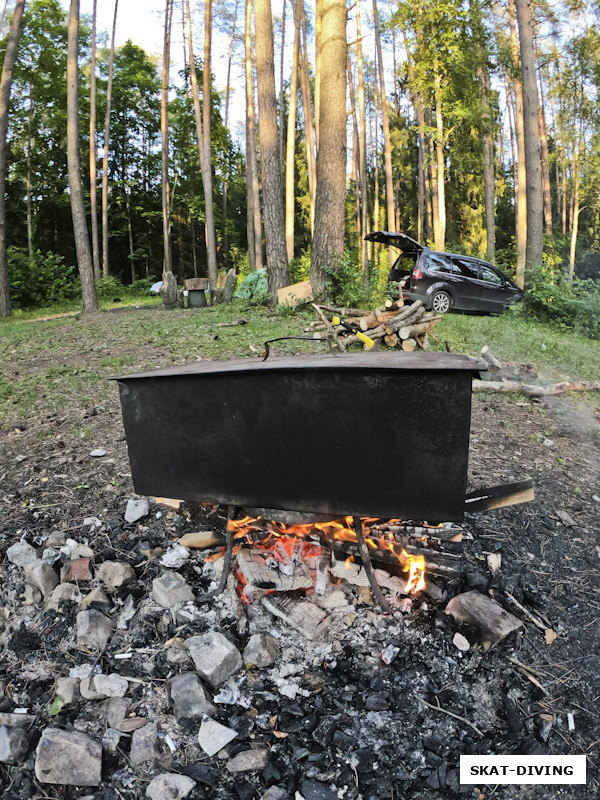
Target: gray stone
(41, 576)
(63, 593)
(215, 657)
(112, 685)
(13, 745)
(68, 690)
(32, 596)
(144, 745)
(21, 554)
(99, 687)
(115, 574)
(461, 642)
(188, 696)
(261, 651)
(170, 589)
(115, 709)
(96, 597)
(275, 793)
(137, 509)
(99, 452)
(249, 761)
(111, 739)
(68, 758)
(88, 690)
(16, 720)
(94, 630)
(213, 736)
(169, 786)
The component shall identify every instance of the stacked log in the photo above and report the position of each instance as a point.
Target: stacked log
(395, 325)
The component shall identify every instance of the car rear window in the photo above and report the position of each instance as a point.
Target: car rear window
(441, 263)
(467, 268)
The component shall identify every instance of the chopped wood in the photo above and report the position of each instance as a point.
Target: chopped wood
(507, 494)
(330, 329)
(202, 540)
(409, 345)
(410, 331)
(492, 362)
(494, 622)
(391, 341)
(532, 390)
(394, 305)
(345, 312)
(375, 319)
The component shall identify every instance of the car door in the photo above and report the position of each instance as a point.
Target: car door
(493, 293)
(467, 285)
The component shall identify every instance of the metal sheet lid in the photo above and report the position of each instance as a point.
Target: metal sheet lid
(412, 361)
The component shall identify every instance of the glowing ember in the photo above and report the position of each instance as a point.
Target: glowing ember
(284, 551)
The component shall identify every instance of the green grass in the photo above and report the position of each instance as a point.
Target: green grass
(74, 306)
(65, 363)
(556, 354)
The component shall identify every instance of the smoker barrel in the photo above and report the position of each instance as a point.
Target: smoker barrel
(379, 434)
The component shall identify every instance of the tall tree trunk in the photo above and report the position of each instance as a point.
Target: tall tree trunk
(130, 233)
(545, 163)
(387, 142)
(375, 156)
(487, 143)
(207, 181)
(270, 165)
(362, 145)
(318, 51)
(93, 152)
(420, 115)
(533, 162)
(281, 92)
(29, 147)
(290, 150)
(356, 163)
(105, 261)
(575, 208)
(309, 130)
(521, 187)
(251, 163)
(330, 201)
(8, 67)
(164, 133)
(510, 108)
(226, 121)
(82, 243)
(250, 234)
(439, 233)
(204, 154)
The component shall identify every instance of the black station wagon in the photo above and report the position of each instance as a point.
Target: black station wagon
(445, 281)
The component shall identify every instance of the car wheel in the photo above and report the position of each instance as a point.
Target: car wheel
(440, 302)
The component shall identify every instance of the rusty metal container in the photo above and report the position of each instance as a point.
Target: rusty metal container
(380, 434)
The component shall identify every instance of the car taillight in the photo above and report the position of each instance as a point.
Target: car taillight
(417, 274)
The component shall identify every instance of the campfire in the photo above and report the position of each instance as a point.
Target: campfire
(312, 558)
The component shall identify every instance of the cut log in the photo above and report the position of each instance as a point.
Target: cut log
(423, 341)
(394, 305)
(345, 312)
(536, 391)
(375, 319)
(202, 540)
(408, 345)
(391, 341)
(410, 331)
(492, 362)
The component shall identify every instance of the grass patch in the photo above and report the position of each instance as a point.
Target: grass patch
(556, 354)
(66, 362)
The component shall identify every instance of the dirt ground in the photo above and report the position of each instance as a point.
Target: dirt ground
(550, 547)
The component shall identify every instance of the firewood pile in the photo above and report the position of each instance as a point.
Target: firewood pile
(394, 325)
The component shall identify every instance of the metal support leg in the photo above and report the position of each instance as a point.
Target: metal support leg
(366, 561)
(226, 561)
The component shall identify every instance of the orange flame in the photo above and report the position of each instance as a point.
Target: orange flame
(263, 533)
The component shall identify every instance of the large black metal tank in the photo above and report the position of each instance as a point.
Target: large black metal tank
(379, 434)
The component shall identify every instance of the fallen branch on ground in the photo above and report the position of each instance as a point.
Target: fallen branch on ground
(532, 390)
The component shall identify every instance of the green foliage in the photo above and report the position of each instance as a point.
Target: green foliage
(344, 282)
(568, 305)
(41, 280)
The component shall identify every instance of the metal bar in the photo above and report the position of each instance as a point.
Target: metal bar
(366, 561)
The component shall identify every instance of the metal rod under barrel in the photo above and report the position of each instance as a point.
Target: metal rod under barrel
(366, 562)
